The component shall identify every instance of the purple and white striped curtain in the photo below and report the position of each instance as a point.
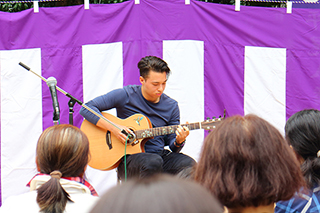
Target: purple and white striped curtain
(257, 60)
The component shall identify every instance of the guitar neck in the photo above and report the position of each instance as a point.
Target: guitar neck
(166, 130)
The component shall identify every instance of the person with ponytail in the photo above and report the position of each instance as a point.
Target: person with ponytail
(303, 134)
(61, 156)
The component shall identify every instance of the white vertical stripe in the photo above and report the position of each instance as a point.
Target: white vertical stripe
(237, 5)
(21, 118)
(186, 85)
(86, 4)
(102, 72)
(36, 6)
(102, 69)
(265, 84)
(289, 6)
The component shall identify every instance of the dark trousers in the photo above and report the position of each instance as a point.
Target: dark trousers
(142, 165)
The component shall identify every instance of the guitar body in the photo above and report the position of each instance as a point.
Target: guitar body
(106, 156)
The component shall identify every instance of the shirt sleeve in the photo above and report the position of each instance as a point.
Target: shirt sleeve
(113, 99)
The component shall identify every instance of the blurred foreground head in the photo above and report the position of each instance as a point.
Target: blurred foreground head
(158, 194)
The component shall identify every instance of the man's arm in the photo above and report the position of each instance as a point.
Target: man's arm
(116, 131)
(113, 99)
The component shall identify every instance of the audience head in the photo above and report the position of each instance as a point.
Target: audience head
(62, 150)
(303, 134)
(158, 194)
(153, 63)
(246, 162)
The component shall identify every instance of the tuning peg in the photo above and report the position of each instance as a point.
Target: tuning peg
(208, 118)
(213, 117)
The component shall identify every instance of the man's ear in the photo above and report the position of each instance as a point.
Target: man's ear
(141, 79)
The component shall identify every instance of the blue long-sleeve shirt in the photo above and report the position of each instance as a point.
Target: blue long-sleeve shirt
(128, 101)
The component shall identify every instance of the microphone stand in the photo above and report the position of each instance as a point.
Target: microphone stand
(79, 102)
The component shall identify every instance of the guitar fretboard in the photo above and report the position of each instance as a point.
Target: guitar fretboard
(165, 130)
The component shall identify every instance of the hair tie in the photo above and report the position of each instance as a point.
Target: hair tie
(56, 174)
(318, 154)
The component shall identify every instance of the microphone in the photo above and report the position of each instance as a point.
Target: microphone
(52, 83)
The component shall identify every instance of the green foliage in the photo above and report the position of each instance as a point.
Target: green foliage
(15, 7)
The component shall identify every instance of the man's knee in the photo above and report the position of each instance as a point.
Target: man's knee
(186, 162)
(152, 165)
(141, 165)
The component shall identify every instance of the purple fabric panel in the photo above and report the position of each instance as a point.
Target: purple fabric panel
(110, 23)
(167, 20)
(224, 60)
(68, 26)
(303, 80)
(65, 64)
(33, 30)
(223, 80)
(133, 51)
(223, 25)
(257, 26)
(11, 27)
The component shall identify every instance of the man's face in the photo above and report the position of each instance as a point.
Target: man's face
(153, 85)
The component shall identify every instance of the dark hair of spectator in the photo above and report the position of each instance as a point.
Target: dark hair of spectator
(246, 162)
(303, 134)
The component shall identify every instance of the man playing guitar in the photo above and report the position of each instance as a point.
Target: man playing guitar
(149, 100)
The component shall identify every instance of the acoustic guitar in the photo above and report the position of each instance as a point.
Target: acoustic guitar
(106, 150)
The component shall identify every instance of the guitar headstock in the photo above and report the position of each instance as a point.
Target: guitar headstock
(210, 124)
